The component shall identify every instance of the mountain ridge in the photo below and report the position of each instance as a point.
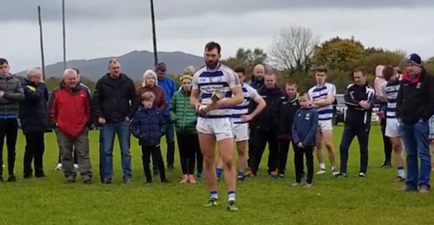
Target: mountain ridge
(133, 64)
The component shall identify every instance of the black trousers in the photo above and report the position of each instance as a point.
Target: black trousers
(348, 135)
(252, 142)
(8, 130)
(35, 148)
(299, 154)
(283, 154)
(188, 145)
(262, 138)
(387, 145)
(155, 152)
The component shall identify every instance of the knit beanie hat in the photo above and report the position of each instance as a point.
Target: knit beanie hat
(414, 59)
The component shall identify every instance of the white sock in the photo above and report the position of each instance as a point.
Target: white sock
(322, 166)
(231, 196)
(401, 172)
(214, 194)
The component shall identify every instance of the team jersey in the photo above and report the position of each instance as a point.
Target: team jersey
(207, 81)
(317, 93)
(390, 90)
(249, 93)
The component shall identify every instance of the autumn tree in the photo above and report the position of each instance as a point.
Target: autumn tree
(292, 48)
(393, 58)
(338, 53)
(247, 58)
(429, 65)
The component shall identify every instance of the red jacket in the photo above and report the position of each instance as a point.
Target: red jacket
(70, 109)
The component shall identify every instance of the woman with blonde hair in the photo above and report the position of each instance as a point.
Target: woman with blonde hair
(190, 70)
(150, 84)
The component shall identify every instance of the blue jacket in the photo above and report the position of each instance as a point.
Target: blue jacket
(170, 89)
(305, 127)
(148, 125)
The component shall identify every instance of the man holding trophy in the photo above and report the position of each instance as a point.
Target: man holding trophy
(219, 89)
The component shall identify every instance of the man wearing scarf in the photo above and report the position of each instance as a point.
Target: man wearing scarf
(414, 108)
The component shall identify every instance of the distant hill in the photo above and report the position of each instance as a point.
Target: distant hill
(133, 64)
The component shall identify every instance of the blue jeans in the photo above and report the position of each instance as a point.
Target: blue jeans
(416, 143)
(109, 130)
(170, 142)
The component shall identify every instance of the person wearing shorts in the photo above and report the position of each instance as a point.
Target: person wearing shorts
(390, 90)
(219, 89)
(240, 119)
(322, 96)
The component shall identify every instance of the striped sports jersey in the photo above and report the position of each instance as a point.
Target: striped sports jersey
(317, 93)
(207, 81)
(249, 93)
(390, 90)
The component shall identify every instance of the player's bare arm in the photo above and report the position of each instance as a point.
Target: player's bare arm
(261, 105)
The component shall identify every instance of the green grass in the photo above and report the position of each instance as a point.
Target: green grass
(370, 200)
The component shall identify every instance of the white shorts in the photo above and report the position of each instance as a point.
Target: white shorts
(325, 125)
(392, 128)
(220, 127)
(241, 132)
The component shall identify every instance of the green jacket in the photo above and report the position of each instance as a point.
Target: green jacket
(182, 114)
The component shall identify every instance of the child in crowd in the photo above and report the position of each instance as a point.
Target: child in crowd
(148, 125)
(304, 129)
(288, 109)
(431, 139)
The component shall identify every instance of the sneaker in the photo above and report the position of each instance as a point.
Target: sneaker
(12, 178)
(184, 179)
(386, 165)
(192, 179)
(28, 176)
(40, 175)
(200, 175)
(296, 184)
(171, 168)
(399, 179)
(70, 180)
(127, 181)
(107, 181)
(76, 167)
(334, 171)
(232, 207)
(87, 181)
(212, 202)
(340, 175)
(280, 176)
(148, 183)
(58, 167)
(321, 171)
(424, 191)
(249, 173)
(165, 180)
(307, 186)
(362, 174)
(241, 177)
(273, 174)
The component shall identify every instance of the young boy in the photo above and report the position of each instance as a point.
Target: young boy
(304, 130)
(288, 109)
(148, 125)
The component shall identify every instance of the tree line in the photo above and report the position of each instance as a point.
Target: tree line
(296, 51)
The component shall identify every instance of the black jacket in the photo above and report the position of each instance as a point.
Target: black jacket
(415, 98)
(268, 119)
(115, 99)
(33, 110)
(287, 113)
(355, 114)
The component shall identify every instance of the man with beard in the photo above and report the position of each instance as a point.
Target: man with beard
(414, 107)
(219, 89)
(267, 126)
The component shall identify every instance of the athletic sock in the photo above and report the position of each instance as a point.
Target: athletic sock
(214, 194)
(219, 172)
(401, 172)
(322, 166)
(231, 196)
(241, 173)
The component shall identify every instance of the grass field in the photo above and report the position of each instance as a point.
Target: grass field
(370, 200)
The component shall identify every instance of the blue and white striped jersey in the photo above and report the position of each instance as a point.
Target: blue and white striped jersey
(207, 81)
(241, 109)
(321, 92)
(390, 90)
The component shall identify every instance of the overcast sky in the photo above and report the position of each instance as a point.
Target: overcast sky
(102, 28)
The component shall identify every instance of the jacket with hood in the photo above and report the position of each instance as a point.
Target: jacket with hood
(182, 114)
(33, 109)
(268, 119)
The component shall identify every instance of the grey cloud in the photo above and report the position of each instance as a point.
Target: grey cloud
(98, 10)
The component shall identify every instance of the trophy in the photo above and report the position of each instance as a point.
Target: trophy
(216, 96)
